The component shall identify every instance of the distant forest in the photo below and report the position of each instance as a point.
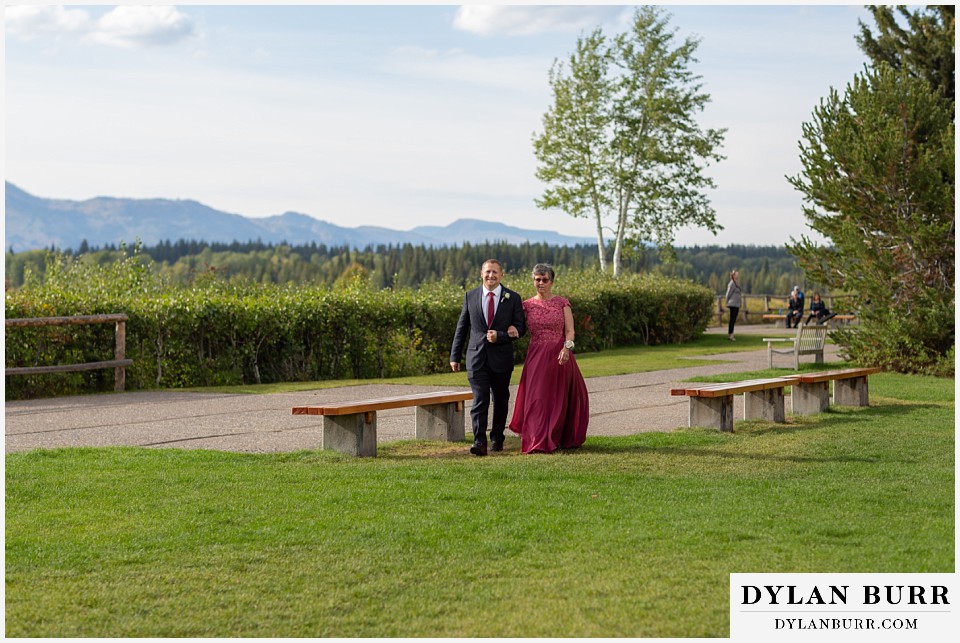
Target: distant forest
(763, 269)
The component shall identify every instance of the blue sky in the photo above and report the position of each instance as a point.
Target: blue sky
(391, 115)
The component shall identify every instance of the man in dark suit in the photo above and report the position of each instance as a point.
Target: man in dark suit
(491, 319)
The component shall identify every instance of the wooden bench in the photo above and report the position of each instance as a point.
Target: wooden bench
(712, 404)
(776, 319)
(351, 427)
(811, 392)
(809, 341)
(781, 320)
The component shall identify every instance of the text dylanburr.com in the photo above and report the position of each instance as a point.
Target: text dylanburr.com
(844, 607)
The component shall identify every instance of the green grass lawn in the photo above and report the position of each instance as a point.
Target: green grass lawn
(631, 536)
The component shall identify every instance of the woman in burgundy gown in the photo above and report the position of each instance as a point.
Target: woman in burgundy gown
(551, 410)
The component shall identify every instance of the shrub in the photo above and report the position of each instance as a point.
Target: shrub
(219, 333)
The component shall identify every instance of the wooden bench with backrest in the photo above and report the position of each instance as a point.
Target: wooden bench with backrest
(809, 341)
(351, 427)
(712, 404)
(811, 393)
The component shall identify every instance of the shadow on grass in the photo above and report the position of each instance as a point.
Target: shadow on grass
(835, 418)
(685, 451)
(685, 442)
(461, 451)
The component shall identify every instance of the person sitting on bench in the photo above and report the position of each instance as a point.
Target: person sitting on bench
(795, 313)
(819, 310)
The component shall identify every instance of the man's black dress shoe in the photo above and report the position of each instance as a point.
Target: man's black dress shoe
(479, 448)
(496, 446)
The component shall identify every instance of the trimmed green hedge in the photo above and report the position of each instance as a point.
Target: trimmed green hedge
(217, 333)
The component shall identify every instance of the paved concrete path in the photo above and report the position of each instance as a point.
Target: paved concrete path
(619, 405)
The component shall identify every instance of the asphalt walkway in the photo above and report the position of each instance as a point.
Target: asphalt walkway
(619, 405)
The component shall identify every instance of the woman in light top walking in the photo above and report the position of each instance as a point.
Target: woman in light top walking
(733, 302)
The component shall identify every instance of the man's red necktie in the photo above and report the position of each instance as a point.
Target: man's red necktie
(489, 310)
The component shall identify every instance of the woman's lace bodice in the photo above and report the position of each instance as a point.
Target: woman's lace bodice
(545, 319)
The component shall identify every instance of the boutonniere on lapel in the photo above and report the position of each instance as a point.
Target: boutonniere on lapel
(506, 295)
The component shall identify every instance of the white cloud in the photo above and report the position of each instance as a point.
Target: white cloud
(135, 26)
(123, 26)
(528, 20)
(29, 21)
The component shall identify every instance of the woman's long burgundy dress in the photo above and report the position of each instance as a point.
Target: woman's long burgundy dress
(552, 409)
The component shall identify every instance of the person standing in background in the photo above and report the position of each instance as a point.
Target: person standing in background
(733, 302)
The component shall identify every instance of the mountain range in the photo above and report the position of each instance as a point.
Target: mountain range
(34, 223)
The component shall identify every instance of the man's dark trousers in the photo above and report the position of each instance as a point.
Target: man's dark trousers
(484, 381)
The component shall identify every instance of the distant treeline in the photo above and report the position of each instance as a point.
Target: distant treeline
(763, 269)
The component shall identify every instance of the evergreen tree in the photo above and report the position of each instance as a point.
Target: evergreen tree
(878, 182)
(925, 47)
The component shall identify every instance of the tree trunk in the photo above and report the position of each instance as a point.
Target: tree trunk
(617, 251)
(600, 249)
(621, 233)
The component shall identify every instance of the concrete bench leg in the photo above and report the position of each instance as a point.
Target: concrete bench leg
(764, 405)
(716, 412)
(441, 422)
(354, 434)
(810, 398)
(851, 392)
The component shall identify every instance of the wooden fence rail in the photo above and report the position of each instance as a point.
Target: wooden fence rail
(755, 306)
(118, 363)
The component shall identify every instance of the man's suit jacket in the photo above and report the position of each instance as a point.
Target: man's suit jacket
(472, 331)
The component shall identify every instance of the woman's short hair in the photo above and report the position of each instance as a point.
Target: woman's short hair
(543, 269)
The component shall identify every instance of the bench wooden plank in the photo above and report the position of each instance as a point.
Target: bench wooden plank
(735, 388)
(747, 386)
(694, 390)
(400, 401)
(846, 373)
